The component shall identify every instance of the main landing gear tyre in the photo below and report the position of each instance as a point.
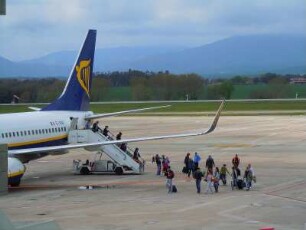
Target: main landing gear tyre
(84, 171)
(15, 184)
(118, 171)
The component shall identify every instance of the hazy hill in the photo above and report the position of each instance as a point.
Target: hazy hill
(237, 55)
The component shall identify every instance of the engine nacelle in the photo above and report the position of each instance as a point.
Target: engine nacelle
(15, 171)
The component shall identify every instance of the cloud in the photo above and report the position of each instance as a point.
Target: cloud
(33, 28)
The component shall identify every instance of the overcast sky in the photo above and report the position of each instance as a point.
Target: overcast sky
(33, 28)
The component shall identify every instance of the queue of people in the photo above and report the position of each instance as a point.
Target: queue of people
(213, 176)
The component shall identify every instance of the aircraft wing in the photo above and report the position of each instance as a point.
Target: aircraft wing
(111, 142)
(95, 116)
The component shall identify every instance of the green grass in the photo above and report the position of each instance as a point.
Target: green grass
(119, 94)
(177, 107)
(243, 91)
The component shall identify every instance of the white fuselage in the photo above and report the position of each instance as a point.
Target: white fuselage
(38, 129)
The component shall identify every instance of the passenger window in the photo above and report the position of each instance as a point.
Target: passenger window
(17, 134)
(36, 132)
(6, 135)
(10, 134)
(21, 133)
(13, 134)
(2, 135)
(33, 132)
(25, 133)
(52, 130)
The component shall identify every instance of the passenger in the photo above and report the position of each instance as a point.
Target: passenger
(158, 164)
(236, 161)
(119, 135)
(123, 147)
(198, 175)
(105, 131)
(210, 164)
(209, 182)
(196, 160)
(88, 124)
(235, 174)
(86, 162)
(216, 179)
(95, 127)
(170, 176)
(136, 155)
(223, 172)
(186, 162)
(153, 159)
(248, 176)
(165, 164)
(190, 167)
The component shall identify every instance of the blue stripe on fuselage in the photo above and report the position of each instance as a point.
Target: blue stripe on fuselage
(62, 141)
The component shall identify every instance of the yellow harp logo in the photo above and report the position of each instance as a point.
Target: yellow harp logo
(83, 74)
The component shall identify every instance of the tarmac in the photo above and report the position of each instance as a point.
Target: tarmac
(274, 145)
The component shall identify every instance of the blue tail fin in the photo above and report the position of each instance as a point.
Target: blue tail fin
(75, 96)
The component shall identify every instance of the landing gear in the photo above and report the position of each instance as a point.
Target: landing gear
(84, 171)
(118, 171)
(15, 184)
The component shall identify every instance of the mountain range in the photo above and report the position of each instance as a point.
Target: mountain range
(252, 55)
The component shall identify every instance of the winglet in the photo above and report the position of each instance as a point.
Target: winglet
(216, 119)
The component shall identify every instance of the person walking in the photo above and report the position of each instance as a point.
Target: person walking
(105, 131)
(95, 127)
(170, 176)
(216, 179)
(248, 175)
(136, 155)
(158, 164)
(198, 175)
(209, 182)
(236, 161)
(210, 163)
(196, 160)
(223, 172)
(118, 136)
(186, 161)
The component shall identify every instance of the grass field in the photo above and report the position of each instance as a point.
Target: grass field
(184, 107)
(243, 91)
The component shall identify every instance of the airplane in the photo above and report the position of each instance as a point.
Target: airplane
(35, 134)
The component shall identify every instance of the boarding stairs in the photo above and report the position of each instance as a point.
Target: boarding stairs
(113, 151)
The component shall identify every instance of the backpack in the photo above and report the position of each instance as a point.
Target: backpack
(197, 175)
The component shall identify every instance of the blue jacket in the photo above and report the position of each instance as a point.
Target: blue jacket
(196, 158)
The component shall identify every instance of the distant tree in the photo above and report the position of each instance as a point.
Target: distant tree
(240, 80)
(100, 89)
(140, 89)
(221, 90)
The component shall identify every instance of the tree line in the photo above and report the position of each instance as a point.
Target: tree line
(148, 86)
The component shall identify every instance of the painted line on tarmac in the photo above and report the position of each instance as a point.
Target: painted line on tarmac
(202, 205)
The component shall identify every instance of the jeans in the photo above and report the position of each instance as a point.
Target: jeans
(198, 184)
(169, 185)
(158, 169)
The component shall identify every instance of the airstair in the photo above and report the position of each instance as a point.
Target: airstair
(113, 151)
